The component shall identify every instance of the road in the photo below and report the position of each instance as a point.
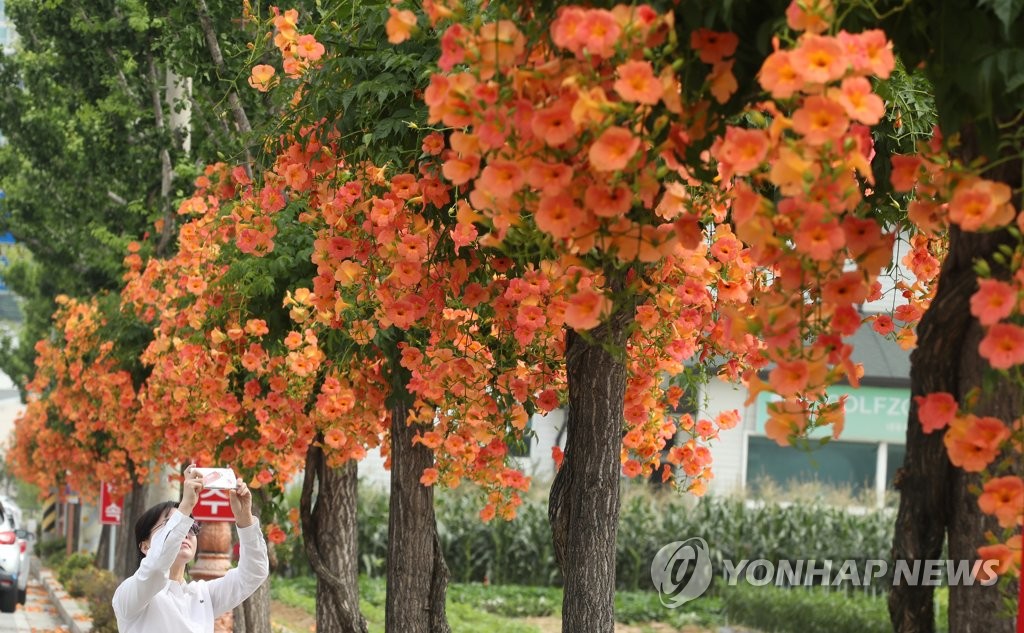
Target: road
(37, 615)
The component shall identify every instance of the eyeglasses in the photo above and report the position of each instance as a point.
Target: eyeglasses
(194, 529)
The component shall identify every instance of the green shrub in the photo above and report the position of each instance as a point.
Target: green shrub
(638, 607)
(520, 551)
(373, 532)
(73, 563)
(52, 551)
(777, 610)
(79, 582)
(500, 552)
(295, 592)
(99, 587)
(509, 600)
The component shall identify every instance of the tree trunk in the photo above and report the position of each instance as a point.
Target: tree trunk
(937, 495)
(976, 608)
(939, 499)
(253, 615)
(417, 573)
(102, 559)
(166, 167)
(127, 555)
(237, 111)
(584, 502)
(329, 533)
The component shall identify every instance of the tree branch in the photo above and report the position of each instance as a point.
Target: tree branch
(166, 169)
(237, 111)
(203, 116)
(314, 476)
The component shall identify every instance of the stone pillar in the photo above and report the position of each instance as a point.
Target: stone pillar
(213, 561)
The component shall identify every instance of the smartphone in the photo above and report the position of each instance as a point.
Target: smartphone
(218, 478)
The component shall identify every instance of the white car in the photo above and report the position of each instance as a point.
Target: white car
(14, 559)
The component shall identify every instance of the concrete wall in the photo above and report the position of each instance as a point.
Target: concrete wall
(10, 407)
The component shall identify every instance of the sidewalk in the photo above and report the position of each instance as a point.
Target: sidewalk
(37, 615)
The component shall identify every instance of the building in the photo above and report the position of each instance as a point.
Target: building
(863, 460)
(8, 37)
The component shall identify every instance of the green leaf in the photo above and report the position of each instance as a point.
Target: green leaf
(1011, 65)
(1006, 10)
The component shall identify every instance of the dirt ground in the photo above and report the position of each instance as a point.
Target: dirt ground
(295, 620)
(554, 625)
(292, 619)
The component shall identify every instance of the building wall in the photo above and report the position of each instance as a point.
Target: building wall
(729, 450)
(372, 472)
(8, 37)
(547, 429)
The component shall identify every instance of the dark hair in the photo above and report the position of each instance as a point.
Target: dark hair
(145, 524)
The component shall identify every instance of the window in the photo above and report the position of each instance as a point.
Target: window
(838, 464)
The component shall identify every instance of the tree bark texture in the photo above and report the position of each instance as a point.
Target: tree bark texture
(329, 533)
(126, 558)
(584, 501)
(935, 497)
(166, 168)
(253, 615)
(237, 111)
(103, 547)
(976, 608)
(417, 573)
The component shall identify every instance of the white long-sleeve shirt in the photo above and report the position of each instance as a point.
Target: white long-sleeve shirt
(150, 602)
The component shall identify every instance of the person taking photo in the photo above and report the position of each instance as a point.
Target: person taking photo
(156, 599)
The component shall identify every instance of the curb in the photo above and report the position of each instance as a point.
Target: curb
(74, 616)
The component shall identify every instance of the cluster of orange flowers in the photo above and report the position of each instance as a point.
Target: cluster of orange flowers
(572, 144)
(298, 52)
(553, 144)
(948, 193)
(818, 238)
(560, 140)
(81, 411)
(374, 271)
(557, 143)
(223, 387)
(212, 378)
(984, 444)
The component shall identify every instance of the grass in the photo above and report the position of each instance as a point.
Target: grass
(473, 607)
(463, 616)
(779, 610)
(496, 608)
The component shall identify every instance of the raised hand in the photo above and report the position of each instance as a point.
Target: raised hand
(241, 504)
(193, 484)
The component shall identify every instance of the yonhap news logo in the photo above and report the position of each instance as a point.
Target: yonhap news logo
(682, 571)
